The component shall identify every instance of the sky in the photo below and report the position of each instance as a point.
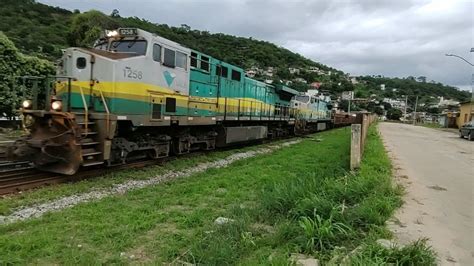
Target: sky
(395, 38)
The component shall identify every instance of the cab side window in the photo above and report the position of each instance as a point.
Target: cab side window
(157, 52)
(181, 60)
(169, 58)
(81, 62)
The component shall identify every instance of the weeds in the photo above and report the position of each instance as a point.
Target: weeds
(417, 253)
(320, 233)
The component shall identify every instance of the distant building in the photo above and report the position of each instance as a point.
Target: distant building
(466, 113)
(446, 102)
(382, 87)
(399, 104)
(315, 85)
(293, 70)
(448, 119)
(302, 80)
(354, 80)
(269, 72)
(347, 95)
(250, 73)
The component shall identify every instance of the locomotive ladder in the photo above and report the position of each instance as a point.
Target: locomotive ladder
(89, 142)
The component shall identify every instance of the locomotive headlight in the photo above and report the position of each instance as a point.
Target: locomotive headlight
(27, 104)
(57, 105)
(112, 33)
(29, 120)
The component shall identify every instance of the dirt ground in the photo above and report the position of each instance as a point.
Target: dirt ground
(437, 169)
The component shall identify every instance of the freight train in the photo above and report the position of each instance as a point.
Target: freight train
(136, 94)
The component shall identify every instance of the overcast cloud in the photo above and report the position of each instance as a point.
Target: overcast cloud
(391, 38)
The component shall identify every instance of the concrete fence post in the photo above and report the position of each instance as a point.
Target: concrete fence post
(355, 146)
(365, 127)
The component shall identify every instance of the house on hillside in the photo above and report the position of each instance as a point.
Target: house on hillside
(302, 80)
(353, 80)
(250, 73)
(315, 85)
(446, 102)
(398, 104)
(293, 70)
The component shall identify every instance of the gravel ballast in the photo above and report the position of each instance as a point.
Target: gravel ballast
(35, 211)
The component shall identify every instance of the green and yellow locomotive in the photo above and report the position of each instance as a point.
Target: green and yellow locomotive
(136, 94)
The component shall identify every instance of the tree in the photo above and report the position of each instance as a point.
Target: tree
(422, 79)
(378, 110)
(115, 13)
(86, 27)
(185, 27)
(13, 65)
(394, 114)
(434, 110)
(386, 106)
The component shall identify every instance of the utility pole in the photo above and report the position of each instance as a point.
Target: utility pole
(349, 107)
(405, 112)
(414, 115)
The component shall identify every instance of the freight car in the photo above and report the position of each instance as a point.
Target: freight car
(136, 94)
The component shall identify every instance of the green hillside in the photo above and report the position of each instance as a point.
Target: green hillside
(41, 30)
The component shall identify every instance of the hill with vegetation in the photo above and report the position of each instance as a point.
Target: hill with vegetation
(41, 30)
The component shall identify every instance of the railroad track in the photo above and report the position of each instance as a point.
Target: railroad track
(18, 179)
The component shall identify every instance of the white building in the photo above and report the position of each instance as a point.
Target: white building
(251, 73)
(353, 80)
(446, 102)
(302, 80)
(294, 70)
(399, 104)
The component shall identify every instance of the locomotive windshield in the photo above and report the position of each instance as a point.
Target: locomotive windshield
(129, 46)
(137, 47)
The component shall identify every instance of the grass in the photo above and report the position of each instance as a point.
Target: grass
(298, 199)
(417, 253)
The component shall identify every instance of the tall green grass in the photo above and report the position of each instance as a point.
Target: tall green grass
(417, 253)
(320, 209)
(348, 205)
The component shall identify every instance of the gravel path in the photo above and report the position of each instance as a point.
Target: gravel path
(25, 213)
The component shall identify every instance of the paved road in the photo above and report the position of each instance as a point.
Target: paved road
(437, 169)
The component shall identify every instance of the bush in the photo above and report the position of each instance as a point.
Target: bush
(13, 65)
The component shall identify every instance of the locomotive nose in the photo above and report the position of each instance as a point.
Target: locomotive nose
(52, 145)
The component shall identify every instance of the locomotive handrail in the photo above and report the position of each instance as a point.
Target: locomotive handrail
(86, 110)
(106, 110)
